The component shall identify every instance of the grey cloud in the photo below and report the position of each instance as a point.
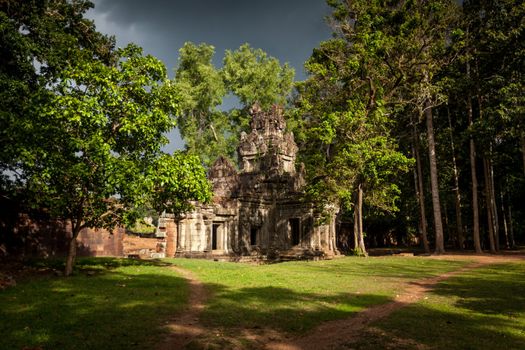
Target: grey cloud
(287, 30)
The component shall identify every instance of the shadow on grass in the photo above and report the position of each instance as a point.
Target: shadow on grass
(124, 305)
(481, 309)
(396, 267)
(94, 263)
(491, 290)
(281, 309)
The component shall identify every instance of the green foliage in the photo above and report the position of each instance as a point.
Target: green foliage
(346, 139)
(175, 181)
(248, 74)
(141, 228)
(201, 90)
(252, 76)
(38, 40)
(85, 123)
(494, 46)
(92, 119)
(97, 136)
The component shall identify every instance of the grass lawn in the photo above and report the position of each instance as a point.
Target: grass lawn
(123, 304)
(297, 296)
(481, 309)
(118, 304)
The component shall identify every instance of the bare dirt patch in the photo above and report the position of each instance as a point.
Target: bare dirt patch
(185, 326)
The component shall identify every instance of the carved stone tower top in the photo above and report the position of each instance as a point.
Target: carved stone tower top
(267, 148)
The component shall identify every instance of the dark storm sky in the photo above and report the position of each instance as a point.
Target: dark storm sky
(285, 29)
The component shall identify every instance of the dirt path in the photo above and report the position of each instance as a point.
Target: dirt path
(185, 326)
(335, 334)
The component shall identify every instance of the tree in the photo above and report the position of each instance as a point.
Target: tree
(99, 147)
(206, 129)
(492, 62)
(84, 123)
(38, 39)
(174, 181)
(421, 30)
(248, 74)
(253, 76)
(350, 155)
(411, 57)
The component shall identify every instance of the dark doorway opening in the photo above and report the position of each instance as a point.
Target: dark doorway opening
(214, 232)
(295, 227)
(253, 236)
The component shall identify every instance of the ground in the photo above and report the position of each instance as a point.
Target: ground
(337, 334)
(398, 302)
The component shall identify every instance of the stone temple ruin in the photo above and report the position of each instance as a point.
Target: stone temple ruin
(257, 211)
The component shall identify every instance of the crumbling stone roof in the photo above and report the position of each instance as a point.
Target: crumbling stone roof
(267, 161)
(267, 148)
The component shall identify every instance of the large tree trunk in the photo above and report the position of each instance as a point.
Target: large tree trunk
(474, 177)
(72, 249)
(475, 204)
(360, 234)
(523, 152)
(457, 194)
(511, 229)
(504, 217)
(494, 206)
(434, 184)
(418, 182)
(356, 227)
(488, 205)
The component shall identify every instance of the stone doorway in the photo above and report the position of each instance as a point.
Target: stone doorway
(254, 232)
(215, 237)
(295, 230)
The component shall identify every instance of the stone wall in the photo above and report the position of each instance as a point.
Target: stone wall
(101, 242)
(134, 245)
(40, 236)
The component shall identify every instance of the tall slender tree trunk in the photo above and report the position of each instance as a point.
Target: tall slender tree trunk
(457, 193)
(504, 217)
(356, 228)
(361, 237)
(474, 176)
(494, 206)
(488, 204)
(475, 202)
(72, 249)
(420, 193)
(489, 191)
(511, 229)
(434, 184)
(523, 152)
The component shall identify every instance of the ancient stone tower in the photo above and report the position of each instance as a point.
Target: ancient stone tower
(258, 210)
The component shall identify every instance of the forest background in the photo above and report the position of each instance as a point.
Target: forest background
(410, 119)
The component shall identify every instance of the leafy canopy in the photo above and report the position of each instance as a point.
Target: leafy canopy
(83, 123)
(248, 74)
